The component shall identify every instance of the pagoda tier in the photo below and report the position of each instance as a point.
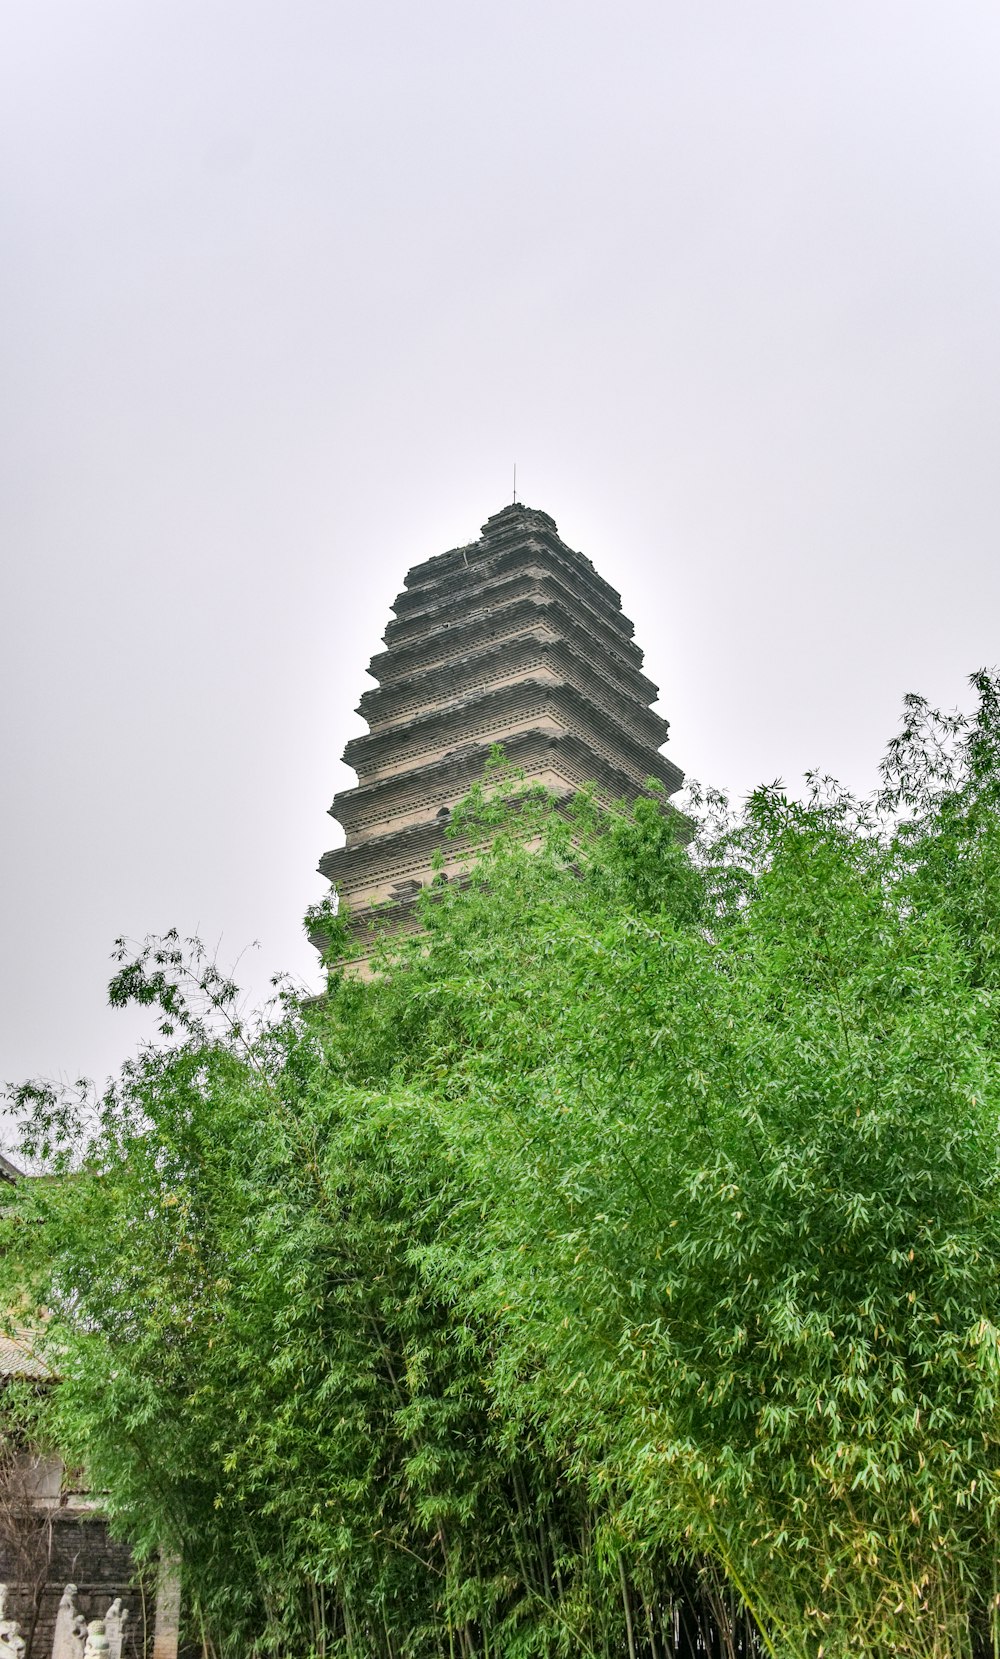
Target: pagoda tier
(514, 639)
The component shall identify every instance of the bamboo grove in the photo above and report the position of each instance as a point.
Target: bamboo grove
(615, 1273)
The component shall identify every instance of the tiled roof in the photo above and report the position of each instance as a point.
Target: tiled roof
(17, 1358)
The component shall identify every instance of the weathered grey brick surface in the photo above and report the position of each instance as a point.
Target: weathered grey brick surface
(511, 639)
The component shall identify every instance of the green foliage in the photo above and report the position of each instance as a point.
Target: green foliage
(632, 1237)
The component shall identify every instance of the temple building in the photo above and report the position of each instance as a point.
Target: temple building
(513, 639)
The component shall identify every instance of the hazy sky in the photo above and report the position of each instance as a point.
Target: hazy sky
(287, 288)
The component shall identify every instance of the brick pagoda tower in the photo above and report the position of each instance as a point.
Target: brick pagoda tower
(513, 639)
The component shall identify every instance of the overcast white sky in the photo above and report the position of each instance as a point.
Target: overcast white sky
(286, 289)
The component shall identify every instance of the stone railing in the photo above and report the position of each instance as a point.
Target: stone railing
(74, 1637)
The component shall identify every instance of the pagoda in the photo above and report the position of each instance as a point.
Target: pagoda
(513, 639)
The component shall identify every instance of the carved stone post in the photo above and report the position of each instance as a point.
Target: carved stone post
(98, 1645)
(115, 1620)
(11, 1640)
(70, 1628)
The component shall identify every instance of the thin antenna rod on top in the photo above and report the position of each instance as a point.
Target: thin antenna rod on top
(515, 483)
